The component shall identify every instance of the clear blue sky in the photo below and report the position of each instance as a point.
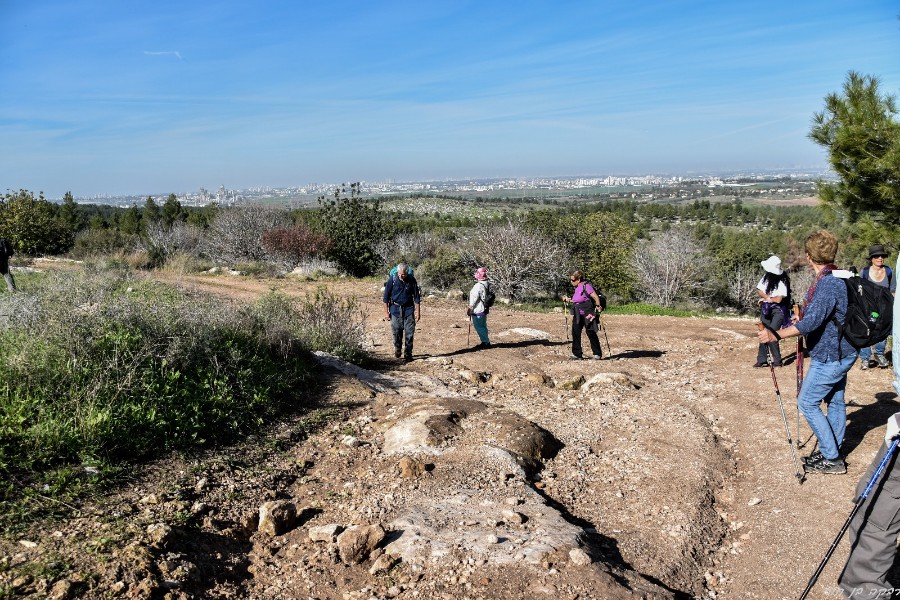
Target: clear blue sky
(166, 96)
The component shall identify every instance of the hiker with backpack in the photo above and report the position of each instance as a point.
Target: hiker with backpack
(831, 354)
(774, 291)
(403, 309)
(6, 251)
(879, 274)
(874, 522)
(481, 298)
(587, 304)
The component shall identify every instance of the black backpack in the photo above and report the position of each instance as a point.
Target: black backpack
(869, 313)
(489, 296)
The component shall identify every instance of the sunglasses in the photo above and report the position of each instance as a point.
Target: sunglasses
(880, 256)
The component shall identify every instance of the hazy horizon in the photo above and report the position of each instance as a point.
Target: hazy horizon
(103, 98)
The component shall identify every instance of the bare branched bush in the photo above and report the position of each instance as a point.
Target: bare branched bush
(235, 235)
(411, 248)
(316, 267)
(161, 241)
(669, 267)
(289, 247)
(521, 263)
(801, 279)
(741, 287)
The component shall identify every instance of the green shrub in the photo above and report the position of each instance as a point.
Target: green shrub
(98, 242)
(101, 366)
(447, 270)
(355, 226)
(331, 324)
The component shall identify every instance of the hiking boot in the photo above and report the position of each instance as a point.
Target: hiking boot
(759, 365)
(407, 358)
(882, 361)
(816, 456)
(827, 466)
(397, 353)
(596, 357)
(575, 357)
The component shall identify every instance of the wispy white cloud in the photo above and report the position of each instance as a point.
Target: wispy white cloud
(174, 53)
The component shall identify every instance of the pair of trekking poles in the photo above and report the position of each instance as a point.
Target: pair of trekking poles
(602, 326)
(798, 471)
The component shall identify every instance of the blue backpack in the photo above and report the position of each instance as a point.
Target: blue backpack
(409, 271)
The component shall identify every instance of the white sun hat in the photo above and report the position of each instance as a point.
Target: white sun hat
(772, 265)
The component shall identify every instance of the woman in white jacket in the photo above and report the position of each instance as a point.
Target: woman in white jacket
(478, 308)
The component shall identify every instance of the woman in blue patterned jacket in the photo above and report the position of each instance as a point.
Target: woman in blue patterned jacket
(830, 356)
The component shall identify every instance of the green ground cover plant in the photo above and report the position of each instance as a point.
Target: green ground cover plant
(105, 367)
(98, 369)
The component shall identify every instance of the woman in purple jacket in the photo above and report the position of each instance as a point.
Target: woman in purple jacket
(585, 301)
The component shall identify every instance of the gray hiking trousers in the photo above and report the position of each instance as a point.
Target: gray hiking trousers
(873, 534)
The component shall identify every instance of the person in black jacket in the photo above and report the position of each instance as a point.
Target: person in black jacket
(401, 301)
(5, 252)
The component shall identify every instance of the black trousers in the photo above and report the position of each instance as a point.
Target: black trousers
(578, 322)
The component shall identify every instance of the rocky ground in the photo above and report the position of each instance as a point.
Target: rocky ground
(662, 471)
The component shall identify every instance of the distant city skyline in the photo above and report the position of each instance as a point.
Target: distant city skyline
(537, 186)
(105, 98)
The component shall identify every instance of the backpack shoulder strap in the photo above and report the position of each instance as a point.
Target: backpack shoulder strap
(864, 273)
(890, 274)
(588, 283)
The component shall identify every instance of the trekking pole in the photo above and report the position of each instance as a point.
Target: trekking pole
(799, 361)
(787, 429)
(859, 502)
(468, 331)
(603, 326)
(566, 312)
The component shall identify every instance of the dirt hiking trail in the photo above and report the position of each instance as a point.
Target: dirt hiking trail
(662, 471)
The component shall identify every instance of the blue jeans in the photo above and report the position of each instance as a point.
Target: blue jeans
(826, 382)
(866, 353)
(403, 329)
(480, 324)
